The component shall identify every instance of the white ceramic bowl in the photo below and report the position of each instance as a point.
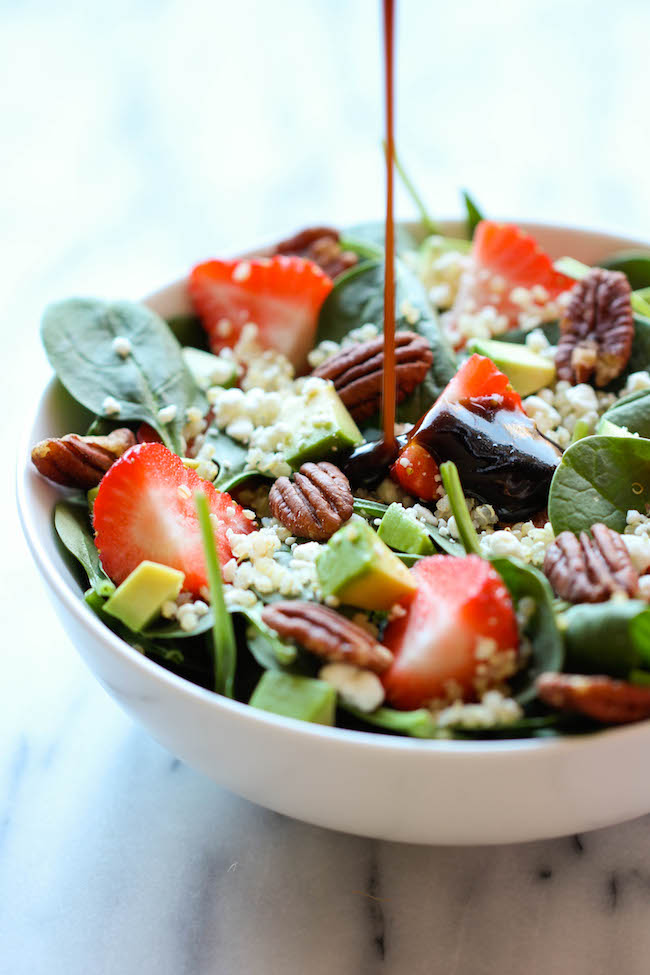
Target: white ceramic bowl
(375, 785)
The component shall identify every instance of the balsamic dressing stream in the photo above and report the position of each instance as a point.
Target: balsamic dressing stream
(369, 462)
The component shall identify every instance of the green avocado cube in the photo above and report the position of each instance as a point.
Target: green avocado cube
(322, 427)
(295, 697)
(404, 534)
(208, 369)
(360, 570)
(527, 371)
(139, 598)
(606, 428)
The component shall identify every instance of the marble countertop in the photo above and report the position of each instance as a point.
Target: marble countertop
(138, 138)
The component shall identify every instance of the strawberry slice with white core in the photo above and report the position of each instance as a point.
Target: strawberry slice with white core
(281, 295)
(457, 638)
(509, 281)
(144, 509)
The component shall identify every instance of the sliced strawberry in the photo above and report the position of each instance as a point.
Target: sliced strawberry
(504, 258)
(417, 472)
(144, 509)
(460, 618)
(478, 381)
(478, 385)
(281, 295)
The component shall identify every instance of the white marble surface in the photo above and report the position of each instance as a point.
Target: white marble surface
(137, 137)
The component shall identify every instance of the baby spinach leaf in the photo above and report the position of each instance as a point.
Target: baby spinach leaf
(599, 479)
(372, 235)
(541, 628)
(229, 455)
(426, 220)
(633, 413)
(607, 638)
(269, 650)
(172, 631)
(474, 215)
(634, 264)
(78, 337)
(73, 528)
(416, 724)
(358, 297)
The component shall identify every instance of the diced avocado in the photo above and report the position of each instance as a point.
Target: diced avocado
(323, 427)
(527, 371)
(210, 370)
(139, 598)
(295, 697)
(360, 570)
(404, 534)
(606, 428)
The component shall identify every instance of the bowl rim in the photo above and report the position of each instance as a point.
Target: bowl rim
(341, 737)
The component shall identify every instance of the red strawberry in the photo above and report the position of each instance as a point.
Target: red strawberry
(459, 618)
(416, 472)
(503, 258)
(281, 295)
(479, 382)
(479, 385)
(144, 509)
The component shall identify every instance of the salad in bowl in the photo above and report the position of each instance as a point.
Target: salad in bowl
(233, 517)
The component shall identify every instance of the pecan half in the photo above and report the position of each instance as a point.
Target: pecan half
(601, 698)
(590, 570)
(597, 329)
(321, 245)
(326, 634)
(315, 504)
(81, 462)
(357, 371)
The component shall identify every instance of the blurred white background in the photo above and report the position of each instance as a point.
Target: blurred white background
(139, 136)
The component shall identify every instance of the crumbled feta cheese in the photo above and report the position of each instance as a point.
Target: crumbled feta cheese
(110, 406)
(493, 710)
(359, 688)
(167, 414)
(241, 271)
(638, 547)
(122, 346)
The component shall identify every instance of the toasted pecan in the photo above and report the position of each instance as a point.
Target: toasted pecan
(357, 371)
(81, 462)
(315, 504)
(327, 634)
(599, 697)
(597, 329)
(321, 245)
(590, 569)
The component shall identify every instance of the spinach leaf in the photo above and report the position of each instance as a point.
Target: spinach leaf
(229, 455)
(373, 509)
(600, 479)
(474, 215)
(634, 264)
(633, 413)
(372, 235)
(416, 724)
(426, 220)
(269, 650)
(224, 645)
(541, 628)
(73, 528)
(358, 297)
(172, 631)
(78, 337)
(607, 638)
